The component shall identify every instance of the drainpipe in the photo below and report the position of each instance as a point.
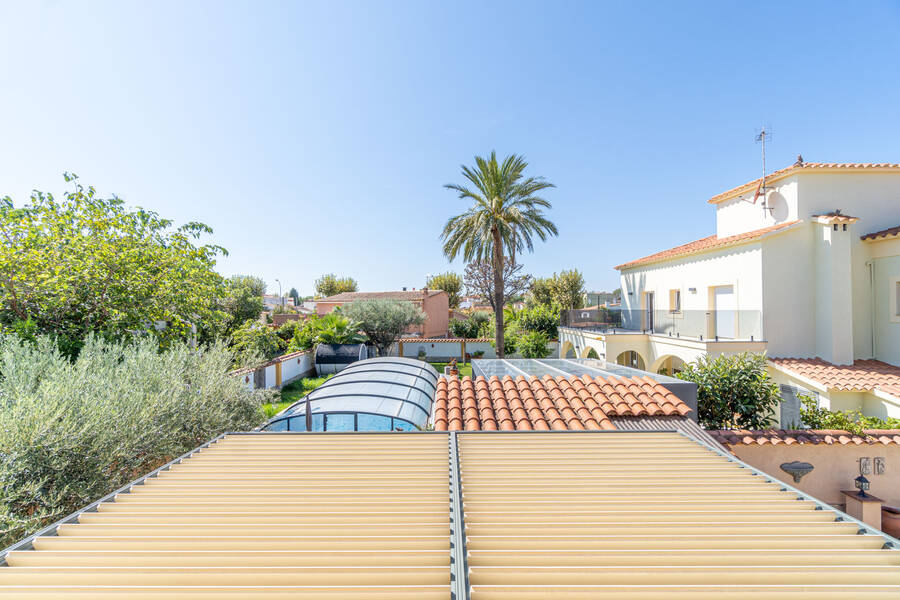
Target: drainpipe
(870, 265)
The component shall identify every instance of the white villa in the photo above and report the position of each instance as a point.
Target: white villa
(804, 265)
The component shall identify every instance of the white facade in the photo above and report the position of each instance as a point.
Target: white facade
(807, 285)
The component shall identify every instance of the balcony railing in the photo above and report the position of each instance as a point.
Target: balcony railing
(692, 324)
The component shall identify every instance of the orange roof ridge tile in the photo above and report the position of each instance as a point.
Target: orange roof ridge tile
(711, 242)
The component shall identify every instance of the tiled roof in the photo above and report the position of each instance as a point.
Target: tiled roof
(805, 436)
(862, 375)
(835, 216)
(797, 167)
(413, 340)
(712, 242)
(888, 233)
(548, 403)
(409, 295)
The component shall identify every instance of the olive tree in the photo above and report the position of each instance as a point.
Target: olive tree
(384, 321)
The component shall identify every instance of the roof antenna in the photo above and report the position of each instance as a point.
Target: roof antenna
(762, 136)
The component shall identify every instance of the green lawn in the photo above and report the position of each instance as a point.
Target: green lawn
(292, 392)
(464, 368)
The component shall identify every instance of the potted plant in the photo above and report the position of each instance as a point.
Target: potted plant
(454, 370)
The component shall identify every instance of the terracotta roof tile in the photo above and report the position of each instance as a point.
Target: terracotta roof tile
(884, 234)
(712, 242)
(409, 295)
(735, 437)
(862, 375)
(548, 403)
(411, 340)
(797, 167)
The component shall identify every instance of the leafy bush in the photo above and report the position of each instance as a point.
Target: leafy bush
(533, 344)
(384, 321)
(84, 264)
(848, 420)
(255, 342)
(331, 285)
(333, 328)
(733, 391)
(471, 327)
(71, 432)
(450, 282)
(287, 330)
(542, 318)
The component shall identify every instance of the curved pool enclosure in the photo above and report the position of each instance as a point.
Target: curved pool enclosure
(378, 394)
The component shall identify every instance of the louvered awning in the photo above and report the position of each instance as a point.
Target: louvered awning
(486, 515)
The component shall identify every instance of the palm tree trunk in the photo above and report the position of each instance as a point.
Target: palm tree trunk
(498, 292)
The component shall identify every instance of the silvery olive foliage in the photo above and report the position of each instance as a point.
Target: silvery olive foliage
(71, 432)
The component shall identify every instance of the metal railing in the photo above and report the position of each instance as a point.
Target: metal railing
(713, 325)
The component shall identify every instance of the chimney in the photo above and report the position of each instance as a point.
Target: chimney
(404, 288)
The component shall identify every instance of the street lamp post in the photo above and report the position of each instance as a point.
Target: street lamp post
(280, 297)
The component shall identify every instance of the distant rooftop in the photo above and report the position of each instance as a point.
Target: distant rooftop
(409, 295)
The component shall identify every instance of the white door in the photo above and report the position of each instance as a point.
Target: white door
(725, 313)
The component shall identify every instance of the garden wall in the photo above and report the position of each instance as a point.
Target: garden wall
(278, 371)
(444, 349)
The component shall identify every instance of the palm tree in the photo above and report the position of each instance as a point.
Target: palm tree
(505, 216)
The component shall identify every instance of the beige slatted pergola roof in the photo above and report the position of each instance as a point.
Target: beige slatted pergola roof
(481, 515)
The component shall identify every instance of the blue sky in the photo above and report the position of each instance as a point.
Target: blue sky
(316, 137)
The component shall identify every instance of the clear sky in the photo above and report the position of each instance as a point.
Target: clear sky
(316, 137)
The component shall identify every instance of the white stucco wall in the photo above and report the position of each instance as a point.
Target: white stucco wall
(789, 292)
(875, 199)
(739, 266)
(740, 214)
(887, 323)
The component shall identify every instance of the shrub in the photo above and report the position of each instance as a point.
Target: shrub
(383, 320)
(471, 327)
(287, 330)
(333, 328)
(733, 391)
(534, 345)
(848, 420)
(542, 318)
(254, 341)
(71, 432)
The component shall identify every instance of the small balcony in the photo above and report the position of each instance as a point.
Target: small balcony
(700, 325)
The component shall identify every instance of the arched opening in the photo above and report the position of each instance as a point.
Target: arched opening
(567, 350)
(669, 365)
(589, 352)
(632, 359)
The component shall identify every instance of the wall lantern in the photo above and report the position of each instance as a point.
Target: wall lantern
(862, 484)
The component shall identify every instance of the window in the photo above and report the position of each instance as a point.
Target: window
(675, 301)
(897, 298)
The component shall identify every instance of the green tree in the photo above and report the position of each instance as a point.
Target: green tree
(505, 217)
(733, 391)
(88, 264)
(450, 282)
(333, 328)
(470, 327)
(541, 292)
(330, 285)
(254, 342)
(853, 421)
(533, 344)
(243, 301)
(543, 318)
(293, 293)
(383, 320)
(567, 289)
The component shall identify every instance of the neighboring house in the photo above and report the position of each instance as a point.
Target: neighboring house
(270, 301)
(805, 265)
(597, 298)
(434, 303)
